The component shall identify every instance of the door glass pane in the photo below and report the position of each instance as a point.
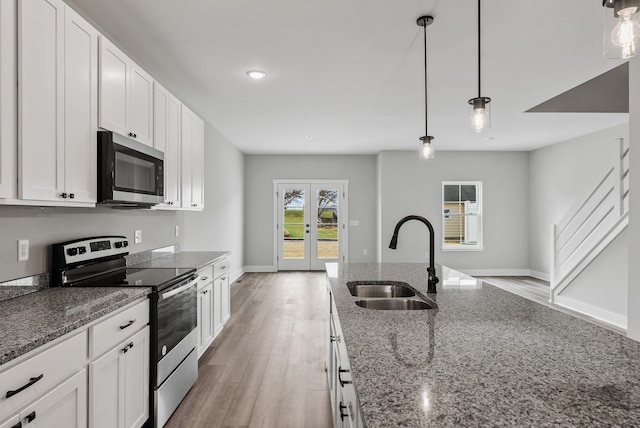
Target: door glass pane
(327, 209)
(294, 227)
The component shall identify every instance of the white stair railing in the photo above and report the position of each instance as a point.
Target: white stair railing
(590, 225)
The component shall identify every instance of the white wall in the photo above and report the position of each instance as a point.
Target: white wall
(560, 175)
(219, 227)
(633, 301)
(261, 170)
(413, 186)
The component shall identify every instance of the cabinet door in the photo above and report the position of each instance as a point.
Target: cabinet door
(119, 382)
(225, 299)
(186, 156)
(217, 307)
(197, 163)
(12, 422)
(114, 75)
(205, 319)
(65, 406)
(106, 382)
(8, 100)
(166, 137)
(172, 161)
(40, 72)
(80, 107)
(136, 380)
(141, 102)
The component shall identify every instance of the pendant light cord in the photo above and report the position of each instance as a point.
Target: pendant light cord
(426, 115)
(479, 59)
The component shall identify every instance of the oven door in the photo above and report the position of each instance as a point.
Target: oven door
(177, 319)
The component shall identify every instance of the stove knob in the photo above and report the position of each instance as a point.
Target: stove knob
(72, 251)
(82, 250)
(125, 243)
(118, 244)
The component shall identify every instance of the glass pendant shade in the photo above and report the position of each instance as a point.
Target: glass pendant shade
(621, 29)
(426, 150)
(480, 114)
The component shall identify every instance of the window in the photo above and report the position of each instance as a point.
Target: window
(461, 215)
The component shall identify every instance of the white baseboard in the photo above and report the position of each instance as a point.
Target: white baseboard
(544, 276)
(260, 269)
(235, 274)
(592, 311)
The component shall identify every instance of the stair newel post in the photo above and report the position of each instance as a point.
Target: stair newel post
(552, 265)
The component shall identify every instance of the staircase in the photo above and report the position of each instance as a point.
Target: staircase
(591, 225)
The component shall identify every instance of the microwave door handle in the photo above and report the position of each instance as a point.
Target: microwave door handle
(179, 289)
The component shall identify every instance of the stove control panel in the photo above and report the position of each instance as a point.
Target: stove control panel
(89, 249)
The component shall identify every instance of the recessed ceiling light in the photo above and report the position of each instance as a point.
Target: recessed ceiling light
(308, 137)
(256, 74)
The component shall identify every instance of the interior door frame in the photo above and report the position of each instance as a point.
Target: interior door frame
(343, 247)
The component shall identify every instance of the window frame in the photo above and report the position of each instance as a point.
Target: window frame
(479, 246)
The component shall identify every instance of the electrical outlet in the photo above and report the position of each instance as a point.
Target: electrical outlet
(177, 231)
(137, 236)
(364, 251)
(23, 250)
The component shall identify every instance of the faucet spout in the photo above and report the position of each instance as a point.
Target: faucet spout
(431, 270)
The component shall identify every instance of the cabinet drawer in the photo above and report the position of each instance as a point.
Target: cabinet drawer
(110, 332)
(206, 276)
(221, 268)
(30, 379)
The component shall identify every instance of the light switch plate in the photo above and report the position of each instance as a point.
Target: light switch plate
(137, 236)
(177, 231)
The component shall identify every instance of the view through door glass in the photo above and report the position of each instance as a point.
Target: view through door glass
(327, 211)
(309, 225)
(295, 225)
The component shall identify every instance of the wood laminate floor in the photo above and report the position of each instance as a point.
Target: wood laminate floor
(266, 368)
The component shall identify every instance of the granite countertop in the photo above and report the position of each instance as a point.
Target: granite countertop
(32, 320)
(184, 259)
(485, 357)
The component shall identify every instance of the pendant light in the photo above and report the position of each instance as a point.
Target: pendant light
(426, 150)
(480, 108)
(621, 28)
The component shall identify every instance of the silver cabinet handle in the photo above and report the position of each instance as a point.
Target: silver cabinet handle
(204, 278)
(179, 290)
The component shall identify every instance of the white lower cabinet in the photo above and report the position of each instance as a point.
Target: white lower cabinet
(214, 304)
(119, 372)
(205, 312)
(344, 399)
(65, 406)
(48, 389)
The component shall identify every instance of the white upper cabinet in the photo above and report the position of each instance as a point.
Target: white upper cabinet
(57, 99)
(8, 100)
(167, 135)
(126, 95)
(192, 160)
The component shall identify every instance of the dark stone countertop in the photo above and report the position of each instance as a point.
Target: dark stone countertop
(485, 357)
(30, 321)
(184, 259)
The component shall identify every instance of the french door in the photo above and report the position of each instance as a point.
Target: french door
(310, 223)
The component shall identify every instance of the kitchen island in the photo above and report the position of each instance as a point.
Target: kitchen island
(484, 357)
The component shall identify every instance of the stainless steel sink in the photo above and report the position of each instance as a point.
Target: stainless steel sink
(386, 289)
(395, 304)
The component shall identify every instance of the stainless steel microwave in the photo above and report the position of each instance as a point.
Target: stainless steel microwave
(130, 174)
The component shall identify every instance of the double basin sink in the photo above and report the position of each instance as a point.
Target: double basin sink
(388, 295)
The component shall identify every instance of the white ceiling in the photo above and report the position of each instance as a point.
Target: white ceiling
(350, 72)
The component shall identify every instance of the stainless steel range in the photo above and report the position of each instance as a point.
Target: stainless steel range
(100, 262)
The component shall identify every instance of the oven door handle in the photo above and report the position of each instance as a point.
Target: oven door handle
(179, 289)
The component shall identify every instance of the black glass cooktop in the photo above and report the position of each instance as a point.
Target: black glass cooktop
(130, 277)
